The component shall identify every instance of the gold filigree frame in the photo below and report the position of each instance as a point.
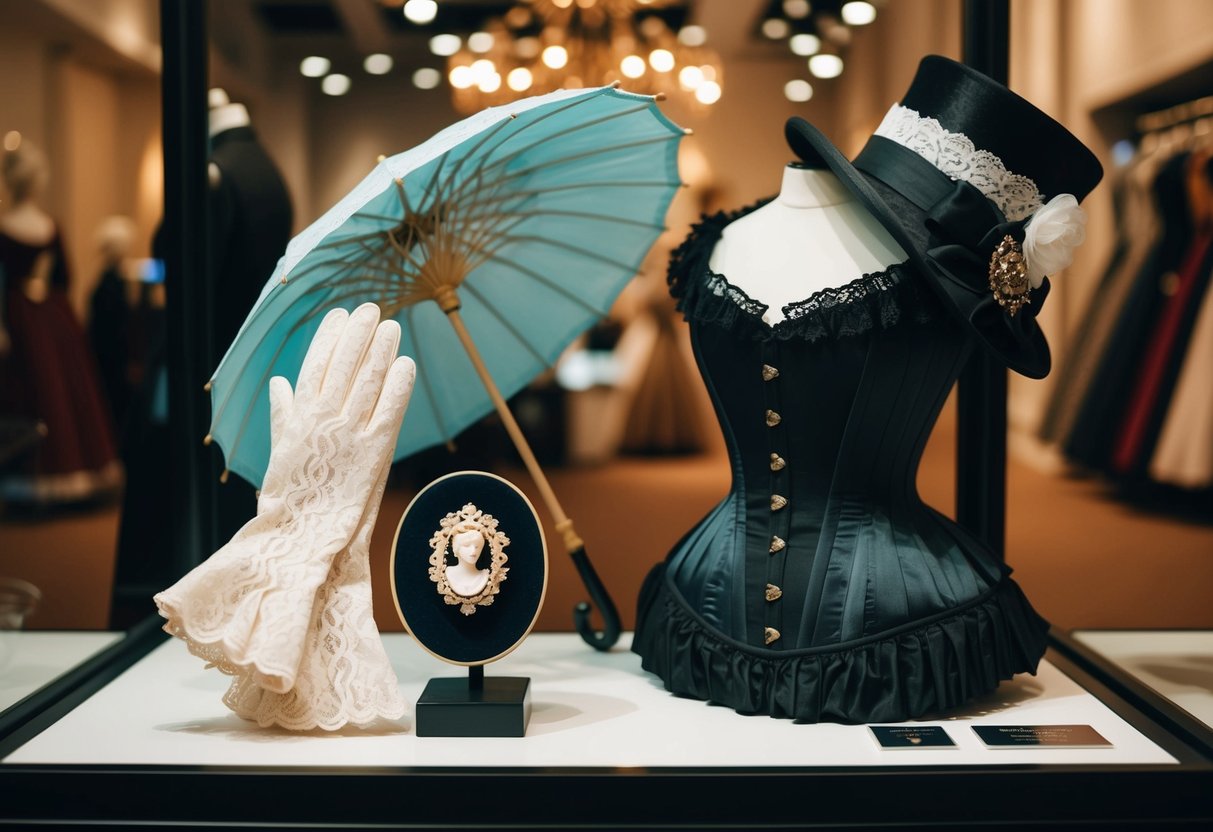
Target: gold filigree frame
(469, 518)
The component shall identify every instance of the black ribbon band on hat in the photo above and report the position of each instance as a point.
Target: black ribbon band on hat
(904, 171)
(963, 227)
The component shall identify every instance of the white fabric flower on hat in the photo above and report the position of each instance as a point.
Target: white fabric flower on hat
(1052, 235)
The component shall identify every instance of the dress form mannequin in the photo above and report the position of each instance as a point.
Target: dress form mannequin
(47, 373)
(249, 226)
(766, 253)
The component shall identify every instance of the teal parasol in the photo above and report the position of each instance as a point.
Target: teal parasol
(521, 224)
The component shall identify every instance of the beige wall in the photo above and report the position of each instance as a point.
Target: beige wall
(96, 113)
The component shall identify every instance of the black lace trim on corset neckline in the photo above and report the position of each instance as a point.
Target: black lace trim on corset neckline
(878, 300)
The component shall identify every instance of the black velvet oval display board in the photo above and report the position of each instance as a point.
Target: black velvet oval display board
(497, 624)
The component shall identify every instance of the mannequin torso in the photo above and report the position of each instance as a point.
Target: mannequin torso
(813, 236)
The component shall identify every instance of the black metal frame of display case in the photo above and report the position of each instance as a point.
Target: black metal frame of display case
(1158, 708)
(987, 797)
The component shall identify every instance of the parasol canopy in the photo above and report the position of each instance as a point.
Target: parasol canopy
(537, 213)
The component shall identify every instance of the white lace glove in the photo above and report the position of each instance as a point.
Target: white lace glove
(344, 675)
(248, 610)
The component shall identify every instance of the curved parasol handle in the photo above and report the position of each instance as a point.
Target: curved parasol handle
(611, 627)
(605, 640)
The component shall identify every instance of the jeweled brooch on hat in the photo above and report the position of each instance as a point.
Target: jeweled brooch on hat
(1009, 275)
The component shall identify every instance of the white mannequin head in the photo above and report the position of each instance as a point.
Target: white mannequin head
(224, 114)
(25, 173)
(115, 236)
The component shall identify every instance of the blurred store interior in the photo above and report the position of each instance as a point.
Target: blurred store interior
(1110, 472)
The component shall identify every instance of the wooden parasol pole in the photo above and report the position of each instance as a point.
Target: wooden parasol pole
(449, 302)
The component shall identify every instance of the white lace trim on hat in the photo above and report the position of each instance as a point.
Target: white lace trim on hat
(956, 155)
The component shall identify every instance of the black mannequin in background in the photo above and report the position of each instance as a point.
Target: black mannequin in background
(250, 225)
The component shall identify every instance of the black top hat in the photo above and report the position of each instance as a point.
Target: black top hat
(956, 173)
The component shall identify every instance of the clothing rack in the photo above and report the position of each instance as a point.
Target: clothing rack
(1180, 114)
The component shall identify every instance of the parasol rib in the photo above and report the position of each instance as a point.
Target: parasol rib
(509, 327)
(425, 381)
(556, 287)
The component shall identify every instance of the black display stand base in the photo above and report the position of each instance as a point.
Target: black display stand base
(499, 706)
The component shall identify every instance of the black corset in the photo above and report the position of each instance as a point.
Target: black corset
(822, 587)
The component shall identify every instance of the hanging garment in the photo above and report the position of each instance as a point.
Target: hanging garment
(1137, 234)
(1096, 427)
(1184, 454)
(1159, 369)
(821, 587)
(49, 375)
(250, 215)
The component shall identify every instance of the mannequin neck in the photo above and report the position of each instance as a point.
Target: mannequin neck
(809, 188)
(228, 117)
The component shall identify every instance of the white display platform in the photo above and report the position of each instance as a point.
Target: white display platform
(29, 660)
(590, 710)
(1177, 664)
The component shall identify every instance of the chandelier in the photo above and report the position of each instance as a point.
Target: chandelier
(539, 46)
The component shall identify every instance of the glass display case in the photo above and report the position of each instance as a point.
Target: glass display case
(115, 727)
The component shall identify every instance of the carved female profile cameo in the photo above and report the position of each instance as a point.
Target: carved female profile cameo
(459, 548)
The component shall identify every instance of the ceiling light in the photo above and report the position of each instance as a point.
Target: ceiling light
(12, 140)
(775, 28)
(805, 45)
(482, 69)
(632, 66)
(647, 54)
(314, 66)
(490, 83)
(519, 79)
(335, 84)
(480, 41)
(527, 48)
(421, 11)
(825, 66)
(798, 90)
(555, 57)
(461, 77)
(445, 45)
(661, 60)
(690, 77)
(797, 9)
(858, 13)
(427, 78)
(708, 92)
(692, 36)
(378, 64)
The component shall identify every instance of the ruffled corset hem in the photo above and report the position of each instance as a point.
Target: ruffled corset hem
(915, 671)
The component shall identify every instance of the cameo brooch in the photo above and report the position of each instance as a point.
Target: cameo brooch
(468, 559)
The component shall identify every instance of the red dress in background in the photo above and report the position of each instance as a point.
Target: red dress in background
(50, 375)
